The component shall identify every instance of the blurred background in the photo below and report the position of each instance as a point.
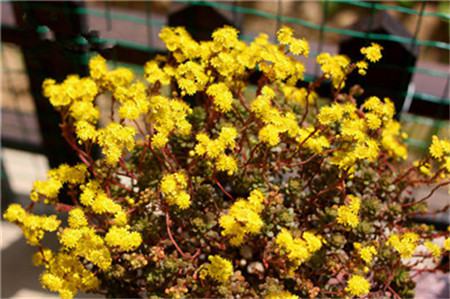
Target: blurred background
(53, 39)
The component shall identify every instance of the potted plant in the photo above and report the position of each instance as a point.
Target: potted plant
(210, 186)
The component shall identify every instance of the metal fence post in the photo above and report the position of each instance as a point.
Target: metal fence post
(51, 57)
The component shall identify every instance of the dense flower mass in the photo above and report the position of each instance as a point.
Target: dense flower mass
(222, 173)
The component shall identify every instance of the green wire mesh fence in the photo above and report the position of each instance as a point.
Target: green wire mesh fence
(58, 38)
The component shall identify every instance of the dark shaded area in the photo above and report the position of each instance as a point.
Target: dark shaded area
(200, 21)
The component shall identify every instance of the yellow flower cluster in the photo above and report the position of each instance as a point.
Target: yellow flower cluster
(366, 253)
(77, 218)
(180, 43)
(280, 295)
(79, 95)
(275, 123)
(358, 286)
(113, 139)
(243, 218)
(219, 269)
(296, 46)
(168, 117)
(173, 186)
(425, 168)
(223, 99)
(362, 67)
(440, 151)
(191, 77)
(298, 250)
(356, 144)
(154, 73)
(298, 95)
(92, 196)
(106, 79)
(65, 274)
(404, 244)
(215, 149)
(348, 214)
(447, 244)
(33, 226)
(372, 54)
(439, 148)
(390, 140)
(334, 68)
(71, 91)
(84, 242)
(377, 112)
(274, 63)
(133, 100)
(229, 57)
(122, 238)
(49, 189)
(359, 135)
(434, 249)
(331, 114)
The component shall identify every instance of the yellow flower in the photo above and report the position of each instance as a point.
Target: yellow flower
(389, 140)
(225, 38)
(433, 248)
(284, 35)
(270, 135)
(133, 99)
(51, 282)
(366, 253)
(103, 204)
(215, 149)
(297, 46)
(113, 139)
(373, 52)
(243, 218)
(173, 186)
(373, 121)
(219, 269)
(222, 96)
(334, 67)
(15, 213)
(280, 295)
(348, 214)
(191, 77)
(33, 226)
(169, 117)
(358, 286)
(66, 275)
(153, 73)
(447, 244)
(330, 114)
(404, 244)
(77, 218)
(439, 148)
(362, 67)
(85, 130)
(123, 239)
(298, 250)
(97, 67)
(69, 237)
(226, 163)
